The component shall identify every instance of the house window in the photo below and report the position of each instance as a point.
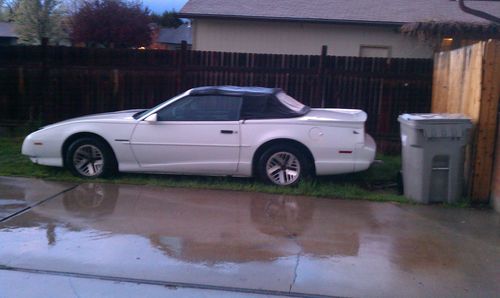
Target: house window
(447, 44)
(374, 51)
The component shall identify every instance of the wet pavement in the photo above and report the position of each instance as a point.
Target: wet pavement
(94, 239)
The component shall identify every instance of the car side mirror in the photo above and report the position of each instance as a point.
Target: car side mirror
(151, 118)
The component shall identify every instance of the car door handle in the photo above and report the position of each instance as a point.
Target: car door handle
(227, 131)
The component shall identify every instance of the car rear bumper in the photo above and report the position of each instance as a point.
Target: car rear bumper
(359, 159)
(364, 154)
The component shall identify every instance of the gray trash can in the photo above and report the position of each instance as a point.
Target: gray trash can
(433, 156)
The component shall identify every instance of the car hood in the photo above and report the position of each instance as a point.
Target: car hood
(108, 116)
(120, 115)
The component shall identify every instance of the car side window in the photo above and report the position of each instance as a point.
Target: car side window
(254, 107)
(260, 107)
(202, 108)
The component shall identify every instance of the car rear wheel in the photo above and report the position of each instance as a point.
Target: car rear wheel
(90, 158)
(283, 166)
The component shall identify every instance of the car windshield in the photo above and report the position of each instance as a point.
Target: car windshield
(145, 112)
(290, 102)
(140, 114)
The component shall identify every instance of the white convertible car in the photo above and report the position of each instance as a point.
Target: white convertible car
(233, 131)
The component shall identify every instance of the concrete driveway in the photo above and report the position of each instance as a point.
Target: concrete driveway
(101, 240)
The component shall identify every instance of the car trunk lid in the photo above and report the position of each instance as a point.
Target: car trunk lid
(336, 115)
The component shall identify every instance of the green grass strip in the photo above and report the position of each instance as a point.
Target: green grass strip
(350, 186)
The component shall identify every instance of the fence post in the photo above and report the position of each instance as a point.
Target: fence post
(181, 67)
(320, 88)
(44, 81)
(21, 91)
(115, 74)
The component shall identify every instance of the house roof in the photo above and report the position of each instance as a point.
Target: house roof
(175, 35)
(7, 30)
(388, 12)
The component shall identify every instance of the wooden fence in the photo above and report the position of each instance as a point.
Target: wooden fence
(467, 81)
(47, 84)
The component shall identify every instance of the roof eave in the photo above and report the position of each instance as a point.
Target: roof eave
(286, 19)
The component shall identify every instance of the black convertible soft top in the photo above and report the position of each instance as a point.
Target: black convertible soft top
(259, 102)
(234, 90)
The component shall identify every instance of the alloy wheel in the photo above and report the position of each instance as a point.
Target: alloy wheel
(88, 160)
(283, 168)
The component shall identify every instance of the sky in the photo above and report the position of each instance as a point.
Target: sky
(159, 6)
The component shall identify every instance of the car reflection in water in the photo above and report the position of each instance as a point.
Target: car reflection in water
(200, 225)
(281, 216)
(91, 200)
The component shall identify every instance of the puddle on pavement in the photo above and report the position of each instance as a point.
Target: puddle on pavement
(18, 193)
(246, 239)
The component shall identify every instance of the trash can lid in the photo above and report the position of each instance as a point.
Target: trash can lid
(434, 118)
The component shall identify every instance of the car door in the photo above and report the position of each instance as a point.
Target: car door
(195, 134)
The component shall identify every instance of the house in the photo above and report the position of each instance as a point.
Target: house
(347, 27)
(7, 35)
(171, 38)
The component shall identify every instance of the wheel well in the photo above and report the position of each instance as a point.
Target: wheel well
(289, 142)
(80, 135)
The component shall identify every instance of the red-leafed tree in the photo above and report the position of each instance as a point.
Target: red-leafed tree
(111, 23)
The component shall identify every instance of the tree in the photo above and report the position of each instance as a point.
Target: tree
(7, 8)
(72, 6)
(112, 23)
(167, 19)
(39, 19)
(3, 11)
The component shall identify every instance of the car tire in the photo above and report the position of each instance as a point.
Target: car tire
(283, 165)
(90, 158)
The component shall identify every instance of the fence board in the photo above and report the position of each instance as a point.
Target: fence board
(487, 122)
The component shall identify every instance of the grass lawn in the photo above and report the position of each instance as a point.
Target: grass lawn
(351, 186)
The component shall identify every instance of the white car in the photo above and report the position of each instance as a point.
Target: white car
(226, 131)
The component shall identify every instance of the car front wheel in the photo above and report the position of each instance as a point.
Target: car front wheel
(283, 166)
(90, 158)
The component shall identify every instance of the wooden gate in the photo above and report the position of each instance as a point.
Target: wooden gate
(467, 81)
